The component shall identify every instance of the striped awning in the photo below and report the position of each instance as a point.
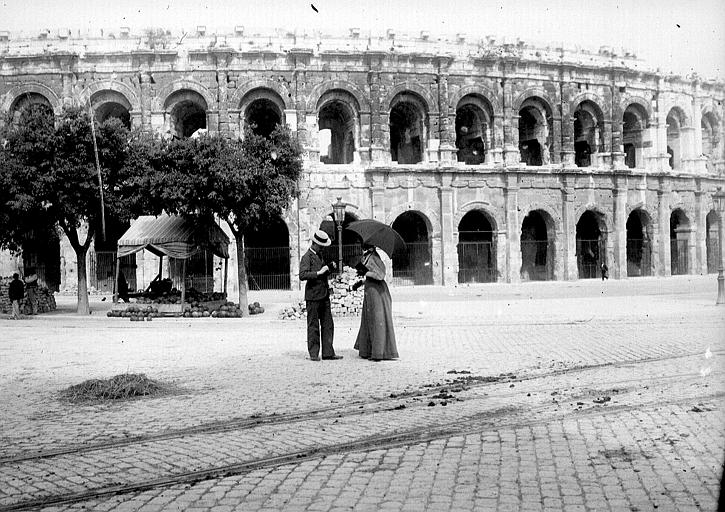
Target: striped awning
(172, 236)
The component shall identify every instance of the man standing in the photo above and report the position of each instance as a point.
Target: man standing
(317, 296)
(16, 292)
(31, 285)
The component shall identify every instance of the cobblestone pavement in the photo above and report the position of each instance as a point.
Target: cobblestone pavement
(583, 399)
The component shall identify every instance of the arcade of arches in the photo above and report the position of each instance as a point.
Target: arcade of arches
(530, 177)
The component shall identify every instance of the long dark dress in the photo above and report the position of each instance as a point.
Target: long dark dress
(376, 338)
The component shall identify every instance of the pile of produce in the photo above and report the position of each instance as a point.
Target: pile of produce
(255, 309)
(173, 296)
(124, 386)
(344, 301)
(46, 299)
(136, 313)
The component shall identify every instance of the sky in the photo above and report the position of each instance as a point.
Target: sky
(675, 35)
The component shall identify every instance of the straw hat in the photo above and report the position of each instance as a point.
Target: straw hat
(321, 238)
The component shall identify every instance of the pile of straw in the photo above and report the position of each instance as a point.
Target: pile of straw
(120, 387)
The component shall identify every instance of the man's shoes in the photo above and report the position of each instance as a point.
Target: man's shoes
(316, 358)
(331, 358)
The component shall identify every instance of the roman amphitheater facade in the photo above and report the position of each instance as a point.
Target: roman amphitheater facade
(496, 160)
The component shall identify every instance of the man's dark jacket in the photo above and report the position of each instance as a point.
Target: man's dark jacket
(316, 287)
(16, 290)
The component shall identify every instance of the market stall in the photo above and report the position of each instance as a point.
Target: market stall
(174, 237)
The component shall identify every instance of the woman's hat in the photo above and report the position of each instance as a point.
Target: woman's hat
(321, 238)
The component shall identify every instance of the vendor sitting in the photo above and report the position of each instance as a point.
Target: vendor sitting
(122, 286)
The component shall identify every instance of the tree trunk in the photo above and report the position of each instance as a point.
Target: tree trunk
(242, 275)
(83, 306)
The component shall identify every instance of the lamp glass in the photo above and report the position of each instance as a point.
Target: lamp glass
(338, 210)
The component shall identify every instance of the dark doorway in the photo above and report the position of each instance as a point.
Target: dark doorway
(263, 116)
(712, 240)
(679, 241)
(112, 110)
(529, 145)
(590, 246)
(414, 267)
(406, 133)
(639, 251)
(476, 249)
(186, 118)
(470, 135)
(268, 256)
(537, 256)
(337, 133)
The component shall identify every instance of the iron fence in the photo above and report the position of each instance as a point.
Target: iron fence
(413, 267)
(638, 258)
(534, 260)
(268, 268)
(678, 257)
(476, 262)
(712, 255)
(102, 270)
(589, 257)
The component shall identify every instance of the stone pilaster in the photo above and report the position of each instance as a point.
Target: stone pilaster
(378, 123)
(570, 270)
(616, 131)
(618, 265)
(511, 155)
(663, 267)
(449, 251)
(222, 77)
(567, 124)
(146, 98)
(446, 128)
(513, 243)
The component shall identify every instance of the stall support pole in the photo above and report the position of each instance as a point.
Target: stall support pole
(183, 284)
(226, 273)
(115, 279)
(161, 267)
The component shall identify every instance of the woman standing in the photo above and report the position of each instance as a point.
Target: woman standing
(376, 338)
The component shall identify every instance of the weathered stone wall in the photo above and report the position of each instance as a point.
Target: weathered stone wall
(300, 74)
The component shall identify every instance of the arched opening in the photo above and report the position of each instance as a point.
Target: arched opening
(111, 105)
(634, 125)
(102, 261)
(186, 113)
(415, 266)
(31, 103)
(712, 240)
(408, 119)
(534, 131)
(473, 121)
(268, 256)
(674, 142)
(590, 245)
(679, 241)
(537, 247)
(351, 243)
(587, 133)
(41, 249)
(639, 249)
(476, 248)
(263, 116)
(710, 139)
(336, 120)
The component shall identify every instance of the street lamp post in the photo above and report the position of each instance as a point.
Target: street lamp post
(338, 211)
(718, 199)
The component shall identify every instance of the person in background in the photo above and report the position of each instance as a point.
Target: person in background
(16, 292)
(31, 287)
(376, 337)
(605, 271)
(317, 296)
(122, 286)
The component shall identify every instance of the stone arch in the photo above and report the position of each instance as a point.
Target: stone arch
(606, 221)
(682, 116)
(185, 112)
(429, 102)
(588, 130)
(430, 217)
(415, 266)
(476, 246)
(555, 216)
(235, 101)
(535, 129)
(474, 123)
(636, 118)
(676, 121)
(338, 124)
(268, 256)
(184, 84)
(591, 237)
(479, 91)
(264, 101)
(328, 86)
(640, 241)
(14, 94)
(643, 208)
(409, 125)
(534, 92)
(682, 229)
(645, 105)
(538, 255)
(112, 85)
(482, 206)
(108, 103)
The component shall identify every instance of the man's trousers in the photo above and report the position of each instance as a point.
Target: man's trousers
(319, 318)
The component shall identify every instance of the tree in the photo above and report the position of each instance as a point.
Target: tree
(243, 183)
(49, 168)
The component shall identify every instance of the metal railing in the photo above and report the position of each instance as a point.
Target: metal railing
(678, 257)
(414, 267)
(534, 260)
(639, 258)
(589, 257)
(268, 268)
(476, 262)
